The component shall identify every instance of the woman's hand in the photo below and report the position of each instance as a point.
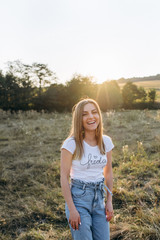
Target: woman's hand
(74, 219)
(109, 210)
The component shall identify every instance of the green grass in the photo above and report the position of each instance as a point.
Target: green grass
(31, 203)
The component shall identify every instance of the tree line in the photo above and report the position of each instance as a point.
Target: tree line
(25, 87)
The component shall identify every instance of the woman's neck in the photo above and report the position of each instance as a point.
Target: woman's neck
(90, 137)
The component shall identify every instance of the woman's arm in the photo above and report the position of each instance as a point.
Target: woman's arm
(66, 162)
(108, 175)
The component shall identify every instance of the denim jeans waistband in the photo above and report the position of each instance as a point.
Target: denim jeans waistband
(94, 185)
(83, 184)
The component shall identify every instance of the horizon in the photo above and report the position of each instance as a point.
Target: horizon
(91, 76)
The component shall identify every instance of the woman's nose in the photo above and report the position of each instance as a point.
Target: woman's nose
(90, 115)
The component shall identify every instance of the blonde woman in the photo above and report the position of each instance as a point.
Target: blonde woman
(86, 174)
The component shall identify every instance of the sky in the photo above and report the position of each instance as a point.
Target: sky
(106, 39)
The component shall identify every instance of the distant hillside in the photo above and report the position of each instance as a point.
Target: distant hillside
(139, 79)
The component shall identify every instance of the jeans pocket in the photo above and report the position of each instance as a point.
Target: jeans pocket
(78, 192)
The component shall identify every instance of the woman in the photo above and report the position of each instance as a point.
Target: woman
(86, 159)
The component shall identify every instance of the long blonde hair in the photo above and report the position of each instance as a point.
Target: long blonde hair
(77, 130)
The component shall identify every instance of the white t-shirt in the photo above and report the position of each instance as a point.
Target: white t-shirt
(90, 167)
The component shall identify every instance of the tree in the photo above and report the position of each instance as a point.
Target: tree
(41, 75)
(141, 94)
(109, 96)
(3, 93)
(152, 95)
(79, 87)
(8, 90)
(114, 95)
(24, 91)
(32, 81)
(55, 98)
(37, 74)
(129, 94)
(22, 72)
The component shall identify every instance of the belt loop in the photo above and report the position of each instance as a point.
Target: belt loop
(84, 185)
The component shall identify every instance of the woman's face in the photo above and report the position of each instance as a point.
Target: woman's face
(90, 119)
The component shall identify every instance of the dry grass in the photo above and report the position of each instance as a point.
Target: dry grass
(31, 203)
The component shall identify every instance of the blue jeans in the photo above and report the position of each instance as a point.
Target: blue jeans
(89, 201)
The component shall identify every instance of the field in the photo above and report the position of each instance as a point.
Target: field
(147, 85)
(31, 203)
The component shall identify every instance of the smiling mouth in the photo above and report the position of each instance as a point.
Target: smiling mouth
(90, 123)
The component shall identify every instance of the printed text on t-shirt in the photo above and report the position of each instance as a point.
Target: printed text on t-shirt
(93, 160)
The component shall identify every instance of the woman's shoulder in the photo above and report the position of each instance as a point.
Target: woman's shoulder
(69, 140)
(69, 144)
(108, 143)
(106, 138)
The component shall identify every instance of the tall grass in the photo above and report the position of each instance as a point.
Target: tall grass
(31, 203)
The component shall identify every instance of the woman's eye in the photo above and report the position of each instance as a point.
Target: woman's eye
(95, 112)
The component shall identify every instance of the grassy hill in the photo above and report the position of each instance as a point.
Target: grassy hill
(31, 203)
(139, 79)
